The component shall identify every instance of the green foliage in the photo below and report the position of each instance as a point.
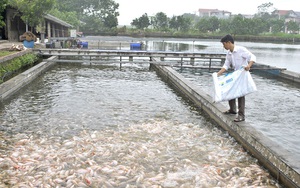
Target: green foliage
(110, 21)
(192, 17)
(3, 4)
(214, 24)
(174, 24)
(257, 25)
(276, 25)
(69, 6)
(208, 24)
(293, 27)
(202, 25)
(266, 20)
(265, 8)
(32, 10)
(69, 17)
(142, 22)
(188, 26)
(237, 25)
(100, 16)
(160, 21)
(5, 53)
(92, 24)
(95, 15)
(97, 8)
(224, 25)
(16, 64)
(103, 11)
(180, 23)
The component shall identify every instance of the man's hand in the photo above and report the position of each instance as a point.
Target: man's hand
(221, 71)
(250, 63)
(247, 68)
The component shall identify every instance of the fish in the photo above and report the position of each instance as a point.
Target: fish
(142, 155)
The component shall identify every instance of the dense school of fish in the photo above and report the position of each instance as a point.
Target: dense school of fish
(155, 154)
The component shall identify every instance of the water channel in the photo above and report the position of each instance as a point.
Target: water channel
(98, 125)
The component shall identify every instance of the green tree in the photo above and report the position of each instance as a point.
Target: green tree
(3, 4)
(225, 25)
(101, 9)
(93, 24)
(276, 25)
(174, 24)
(71, 6)
(69, 17)
(32, 11)
(110, 21)
(160, 21)
(238, 25)
(293, 26)
(141, 22)
(265, 9)
(192, 17)
(208, 24)
(180, 23)
(256, 26)
(214, 24)
(203, 25)
(98, 15)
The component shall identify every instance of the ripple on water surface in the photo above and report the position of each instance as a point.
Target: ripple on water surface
(273, 109)
(91, 126)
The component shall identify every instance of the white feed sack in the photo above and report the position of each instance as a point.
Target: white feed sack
(232, 85)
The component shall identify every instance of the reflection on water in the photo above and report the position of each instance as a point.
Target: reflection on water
(278, 55)
(88, 126)
(173, 46)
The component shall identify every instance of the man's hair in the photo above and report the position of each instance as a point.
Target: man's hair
(227, 38)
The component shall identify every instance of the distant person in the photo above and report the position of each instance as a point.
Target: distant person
(236, 57)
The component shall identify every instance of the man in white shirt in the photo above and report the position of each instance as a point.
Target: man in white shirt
(236, 57)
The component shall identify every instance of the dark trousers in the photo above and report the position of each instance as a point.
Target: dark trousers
(241, 106)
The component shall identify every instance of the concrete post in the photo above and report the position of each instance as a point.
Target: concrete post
(49, 31)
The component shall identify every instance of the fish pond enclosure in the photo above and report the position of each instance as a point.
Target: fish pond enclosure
(102, 126)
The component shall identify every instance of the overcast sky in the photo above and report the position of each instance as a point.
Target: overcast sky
(131, 9)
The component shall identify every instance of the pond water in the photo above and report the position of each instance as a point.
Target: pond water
(80, 126)
(273, 109)
(273, 54)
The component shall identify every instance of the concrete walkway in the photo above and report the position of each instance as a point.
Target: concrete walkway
(4, 44)
(280, 164)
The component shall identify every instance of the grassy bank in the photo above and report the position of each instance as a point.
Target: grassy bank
(16, 65)
(267, 37)
(5, 53)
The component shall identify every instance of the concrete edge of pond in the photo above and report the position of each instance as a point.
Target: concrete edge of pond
(13, 85)
(282, 165)
(291, 76)
(17, 54)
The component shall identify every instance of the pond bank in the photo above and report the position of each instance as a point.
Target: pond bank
(246, 38)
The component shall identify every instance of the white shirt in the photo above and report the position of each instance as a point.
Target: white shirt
(239, 57)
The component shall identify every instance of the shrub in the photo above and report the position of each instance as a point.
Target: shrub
(15, 65)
